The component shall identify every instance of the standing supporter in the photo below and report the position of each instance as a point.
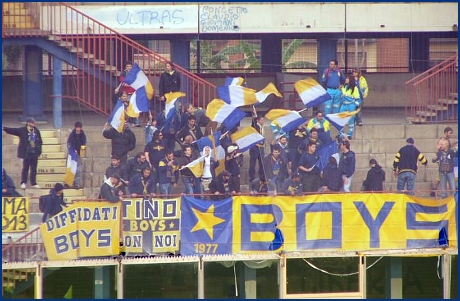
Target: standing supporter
(142, 184)
(233, 163)
(256, 153)
(122, 143)
(322, 126)
(296, 136)
(8, 187)
(209, 169)
(283, 144)
(311, 175)
(405, 166)
(331, 179)
(375, 177)
(221, 186)
(292, 186)
(77, 142)
(350, 101)
(188, 178)
(169, 128)
(52, 202)
(445, 158)
(361, 83)
(168, 174)
(169, 82)
(275, 168)
(201, 119)
(190, 129)
(312, 138)
(154, 151)
(332, 79)
(109, 190)
(347, 164)
(29, 149)
(150, 128)
(259, 186)
(135, 166)
(126, 91)
(116, 167)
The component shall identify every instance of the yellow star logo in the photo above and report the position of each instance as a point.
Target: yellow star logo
(171, 225)
(206, 221)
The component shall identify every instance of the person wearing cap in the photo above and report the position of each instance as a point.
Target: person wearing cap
(221, 186)
(76, 142)
(292, 185)
(405, 166)
(8, 187)
(361, 83)
(109, 190)
(233, 164)
(347, 164)
(29, 149)
(53, 202)
(375, 177)
(122, 143)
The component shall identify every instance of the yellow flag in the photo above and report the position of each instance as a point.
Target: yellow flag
(69, 293)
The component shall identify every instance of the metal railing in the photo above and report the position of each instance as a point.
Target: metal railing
(98, 54)
(29, 247)
(432, 95)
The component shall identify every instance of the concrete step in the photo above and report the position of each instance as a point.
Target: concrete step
(426, 113)
(12, 11)
(32, 192)
(51, 141)
(437, 108)
(64, 43)
(56, 177)
(448, 101)
(51, 170)
(18, 25)
(18, 19)
(51, 148)
(53, 155)
(454, 95)
(15, 5)
(44, 163)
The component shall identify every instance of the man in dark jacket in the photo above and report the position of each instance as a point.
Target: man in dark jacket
(169, 81)
(375, 177)
(142, 184)
(109, 190)
(292, 185)
(347, 164)
(220, 186)
(276, 167)
(29, 149)
(331, 179)
(135, 166)
(122, 143)
(53, 202)
(75, 143)
(8, 187)
(190, 129)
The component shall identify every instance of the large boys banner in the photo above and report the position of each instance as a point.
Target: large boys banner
(84, 229)
(351, 222)
(15, 214)
(151, 225)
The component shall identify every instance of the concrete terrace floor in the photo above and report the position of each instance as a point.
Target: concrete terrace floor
(371, 116)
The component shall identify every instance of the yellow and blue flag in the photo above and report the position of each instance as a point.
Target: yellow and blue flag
(233, 81)
(246, 138)
(117, 117)
(226, 114)
(139, 101)
(238, 96)
(196, 167)
(311, 92)
(286, 119)
(72, 163)
(170, 107)
(325, 152)
(339, 120)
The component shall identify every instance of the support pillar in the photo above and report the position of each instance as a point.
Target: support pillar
(201, 279)
(38, 282)
(102, 282)
(180, 55)
(447, 275)
(282, 278)
(57, 93)
(271, 54)
(327, 50)
(394, 282)
(248, 283)
(120, 283)
(33, 84)
(419, 53)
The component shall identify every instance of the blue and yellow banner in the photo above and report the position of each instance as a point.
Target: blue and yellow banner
(151, 225)
(15, 214)
(348, 222)
(84, 229)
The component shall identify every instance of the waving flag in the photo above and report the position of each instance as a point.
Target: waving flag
(226, 114)
(117, 118)
(196, 167)
(339, 120)
(139, 101)
(170, 108)
(326, 151)
(207, 141)
(311, 92)
(239, 96)
(72, 163)
(246, 138)
(233, 81)
(286, 119)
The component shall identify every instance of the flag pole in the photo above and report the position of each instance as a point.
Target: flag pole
(213, 144)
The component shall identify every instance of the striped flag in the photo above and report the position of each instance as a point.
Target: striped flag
(196, 167)
(72, 163)
(286, 119)
(238, 96)
(326, 151)
(208, 141)
(220, 153)
(139, 101)
(226, 114)
(117, 117)
(311, 92)
(246, 138)
(233, 81)
(339, 120)
(170, 108)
